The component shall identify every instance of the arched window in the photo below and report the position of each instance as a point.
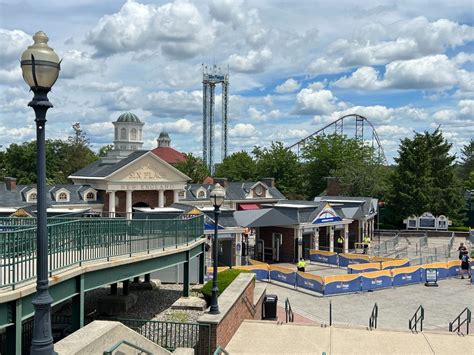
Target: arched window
(90, 196)
(116, 133)
(201, 194)
(62, 196)
(140, 137)
(123, 133)
(133, 134)
(32, 197)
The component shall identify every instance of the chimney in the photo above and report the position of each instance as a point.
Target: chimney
(222, 181)
(333, 188)
(10, 182)
(270, 182)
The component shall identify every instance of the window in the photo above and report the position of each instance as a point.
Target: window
(134, 147)
(133, 134)
(259, 190)
(123, 133)
(63, 197)
(124, 147)
(140, 134)
(90, 196)
(182, 194)
(116, 133)
(32, 197)
(201, 194)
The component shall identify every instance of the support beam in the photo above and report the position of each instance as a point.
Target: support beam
(175, 196)
(147, 278)
(14, 340)
(111, 204)
(346, 238)
(78, 304)
(126, 287)
(331, 238)
(161, 198)
(113, 289)
(316, 239)
(136, 279)
(202, 267)
(128, 204)
(186, 276)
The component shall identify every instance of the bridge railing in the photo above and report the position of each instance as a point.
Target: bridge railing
(73, 242)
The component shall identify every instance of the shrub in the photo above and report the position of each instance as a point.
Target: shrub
(224, 279)
(459, 229)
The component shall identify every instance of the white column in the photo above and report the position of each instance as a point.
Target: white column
(316, 239)
(300, 243)
(112, 204)
(346, 238)
(238, 250)
(175, 196)
(161, 198)
(128, 204)
(331, 238)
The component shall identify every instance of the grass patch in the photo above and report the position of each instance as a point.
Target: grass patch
(178, 316)
(224, 279)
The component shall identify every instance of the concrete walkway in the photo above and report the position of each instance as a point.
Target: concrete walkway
(396, 305)
(263, 337)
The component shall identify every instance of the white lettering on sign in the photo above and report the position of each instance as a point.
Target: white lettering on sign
(148, 187)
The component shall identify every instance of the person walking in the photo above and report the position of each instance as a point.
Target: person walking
(465, 265)
(462, 250)
(301, 265)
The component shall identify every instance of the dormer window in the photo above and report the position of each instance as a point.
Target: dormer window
(63, 197)
(90, 195)
(201, 194)
(33, 197)
(259, 190)
(182, 194)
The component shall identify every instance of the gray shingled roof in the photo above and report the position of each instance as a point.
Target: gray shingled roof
(101, 169)
(17, 198)
(234, 191)
(266, 217)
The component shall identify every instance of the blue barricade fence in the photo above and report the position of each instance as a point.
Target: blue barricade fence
(283, 275)
(310, 282)
(347, 259)
(406, 275)
(325, 257)
(341, 284)
(375, 280)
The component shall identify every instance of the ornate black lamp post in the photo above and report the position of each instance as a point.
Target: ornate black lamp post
(217, 198)
(40, 67)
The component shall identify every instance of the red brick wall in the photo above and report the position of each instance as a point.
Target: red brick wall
(148, 197)
(353, 233)
(222, 333)
(287, 248)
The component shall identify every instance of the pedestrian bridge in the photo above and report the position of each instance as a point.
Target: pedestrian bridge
(85, 254)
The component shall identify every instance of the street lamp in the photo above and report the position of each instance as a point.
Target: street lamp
(40, 67)
(217, 198)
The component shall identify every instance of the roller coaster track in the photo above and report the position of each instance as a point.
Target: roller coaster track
(337, 127)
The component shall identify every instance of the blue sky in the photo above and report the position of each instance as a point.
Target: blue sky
(294, 67)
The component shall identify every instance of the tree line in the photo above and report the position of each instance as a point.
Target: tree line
(424, 178)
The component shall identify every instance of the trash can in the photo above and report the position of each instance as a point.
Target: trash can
(270, 307)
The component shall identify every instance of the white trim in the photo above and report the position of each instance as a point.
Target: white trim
(60, 191)
(28, 194)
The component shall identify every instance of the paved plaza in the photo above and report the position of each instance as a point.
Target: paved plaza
(396, 305)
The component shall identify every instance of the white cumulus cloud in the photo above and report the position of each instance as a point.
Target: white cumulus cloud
(288, 86)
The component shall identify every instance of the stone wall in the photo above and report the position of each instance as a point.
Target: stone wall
(241, 300)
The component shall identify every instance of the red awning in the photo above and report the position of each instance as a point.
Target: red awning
(249, 206)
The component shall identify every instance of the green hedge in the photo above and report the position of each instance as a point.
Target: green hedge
(459, 229)
(224, 279)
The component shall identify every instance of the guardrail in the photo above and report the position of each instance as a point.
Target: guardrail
(373, 317)
(413, 322)
(76, 241)
(169, 335)
(111, 350)
(289, 312)
(455, 328)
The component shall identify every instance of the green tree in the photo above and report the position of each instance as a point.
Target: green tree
(467, 161)
(105, 149)
(237, 167)
(281, 164)
(424, 179)
(78, 153)
(193, 167)
(343, 157)
(20, 162)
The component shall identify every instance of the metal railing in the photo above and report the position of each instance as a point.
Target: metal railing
(373, 317)
(289, 312)
(169, 335)
(417, 318)
(111, 350)
(86, 239)
(456, 327)
(220, 350)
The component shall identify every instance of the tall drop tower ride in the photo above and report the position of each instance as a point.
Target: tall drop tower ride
(212, 76)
